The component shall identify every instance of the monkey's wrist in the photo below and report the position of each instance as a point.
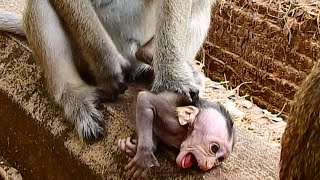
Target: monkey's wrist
(145, 148)
(173, 77)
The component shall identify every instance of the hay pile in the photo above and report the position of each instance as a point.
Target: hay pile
(271, 44)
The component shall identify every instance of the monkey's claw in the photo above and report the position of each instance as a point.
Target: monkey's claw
(190, 90)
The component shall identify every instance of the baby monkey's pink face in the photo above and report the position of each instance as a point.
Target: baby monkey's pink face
(209, 141)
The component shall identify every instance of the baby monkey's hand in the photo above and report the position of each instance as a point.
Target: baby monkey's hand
(128, 146)
(139, 166)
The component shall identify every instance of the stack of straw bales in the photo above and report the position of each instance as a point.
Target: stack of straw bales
(271, 44)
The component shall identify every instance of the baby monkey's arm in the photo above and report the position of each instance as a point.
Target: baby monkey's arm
(148, 108)
(144, 157)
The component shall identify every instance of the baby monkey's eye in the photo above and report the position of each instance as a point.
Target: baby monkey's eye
(214, 147)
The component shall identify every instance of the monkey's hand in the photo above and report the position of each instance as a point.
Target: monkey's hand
(141, 163)
(112, 81)
(178, 81)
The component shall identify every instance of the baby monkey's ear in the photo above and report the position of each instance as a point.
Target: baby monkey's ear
(186, 114)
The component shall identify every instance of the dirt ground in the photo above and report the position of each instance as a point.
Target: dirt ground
(32, 150)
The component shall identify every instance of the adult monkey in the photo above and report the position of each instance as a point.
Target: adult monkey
(108, 34)
(300, 143)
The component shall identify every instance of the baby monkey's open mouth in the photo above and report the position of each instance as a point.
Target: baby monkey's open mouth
(187, 161)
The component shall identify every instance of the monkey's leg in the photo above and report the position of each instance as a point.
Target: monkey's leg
(146, 52)
(179, 20)
(197, 32)
(52, 49)
(172, 73)
(105, 61)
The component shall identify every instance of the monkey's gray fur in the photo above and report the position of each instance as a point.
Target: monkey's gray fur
(102, 37)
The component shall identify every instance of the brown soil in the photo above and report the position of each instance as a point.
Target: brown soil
(34, 151)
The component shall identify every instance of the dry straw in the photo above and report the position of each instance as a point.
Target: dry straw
(293, 13)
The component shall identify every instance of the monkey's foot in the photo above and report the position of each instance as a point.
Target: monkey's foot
(81, 106)
(128, 146)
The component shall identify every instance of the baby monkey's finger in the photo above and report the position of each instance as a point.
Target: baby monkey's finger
(121, 145)
(130, 165)
(131, 172)
(138, 173)
(145, 174)
(130, 145)
(134, 141)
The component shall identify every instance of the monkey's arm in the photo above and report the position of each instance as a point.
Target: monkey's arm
(81, 20)
(172, 71)
(144, 157)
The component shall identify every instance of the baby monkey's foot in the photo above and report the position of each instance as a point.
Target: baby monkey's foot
(128, 146)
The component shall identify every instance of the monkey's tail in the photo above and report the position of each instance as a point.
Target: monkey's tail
(11, 22)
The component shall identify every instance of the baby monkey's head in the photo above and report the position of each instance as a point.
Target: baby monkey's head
(210, 138)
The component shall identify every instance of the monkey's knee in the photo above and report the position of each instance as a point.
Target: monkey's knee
(80, 105)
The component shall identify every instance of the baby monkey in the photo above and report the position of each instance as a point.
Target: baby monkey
(203, 132)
